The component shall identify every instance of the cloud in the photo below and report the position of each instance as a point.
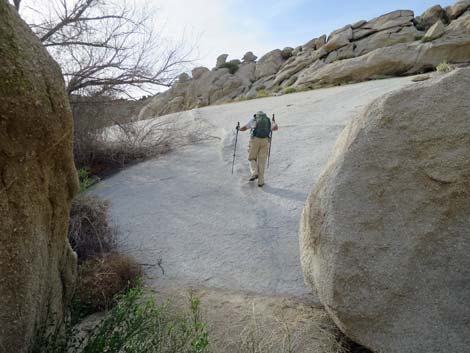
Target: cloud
(215, 27)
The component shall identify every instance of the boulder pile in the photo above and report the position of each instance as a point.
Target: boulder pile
(397, 43)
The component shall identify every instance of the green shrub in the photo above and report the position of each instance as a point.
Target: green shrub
(241, 99)
(231, 66)
(137, 325)
(444, 67)
(289, 90)
(261, 93)
(85, 180)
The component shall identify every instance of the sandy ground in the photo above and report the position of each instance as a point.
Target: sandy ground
(194, 224)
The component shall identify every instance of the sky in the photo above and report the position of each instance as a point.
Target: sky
(236, 26)
(233, 27)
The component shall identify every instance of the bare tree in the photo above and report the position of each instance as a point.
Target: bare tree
(105, 46)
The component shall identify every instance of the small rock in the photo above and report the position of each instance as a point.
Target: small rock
(421, 78)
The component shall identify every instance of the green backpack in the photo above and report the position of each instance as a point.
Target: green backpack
(263, 125)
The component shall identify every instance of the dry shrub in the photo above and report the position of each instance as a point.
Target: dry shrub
(104, 150)
(90, 232)
(101, 278)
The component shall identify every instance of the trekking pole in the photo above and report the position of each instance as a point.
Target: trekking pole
(235, 149)
(270, 141)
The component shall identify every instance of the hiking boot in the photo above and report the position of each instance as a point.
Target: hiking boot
(253, 177)
(260, 185)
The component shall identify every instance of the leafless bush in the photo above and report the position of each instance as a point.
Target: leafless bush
(104, 150)
(90, 232)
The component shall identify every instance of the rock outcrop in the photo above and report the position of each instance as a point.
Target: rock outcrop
(393, 44)
(384, 235)
(37, 183)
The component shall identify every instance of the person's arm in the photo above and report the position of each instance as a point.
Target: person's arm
(250, 125)
(274, 126)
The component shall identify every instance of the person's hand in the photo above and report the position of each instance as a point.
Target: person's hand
(237, 127)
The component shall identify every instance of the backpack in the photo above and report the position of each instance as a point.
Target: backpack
(263, 126)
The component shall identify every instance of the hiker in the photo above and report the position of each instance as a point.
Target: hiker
(261, 129)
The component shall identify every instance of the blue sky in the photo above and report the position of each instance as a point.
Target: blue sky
(236, 26)
(294, 22)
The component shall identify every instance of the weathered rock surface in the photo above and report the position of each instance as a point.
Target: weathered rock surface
(400, 59)
(249, 57)
(269, 64)
(338, 40)
(315, 43)
(457, 9)
(37, 183)
(386, 38)
(436, 31)
(221, 59)
(385, 233)
(197, 72)
(361, 51)
(399, 18)
(430, 17)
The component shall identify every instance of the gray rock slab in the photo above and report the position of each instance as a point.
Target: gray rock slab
(212, 228)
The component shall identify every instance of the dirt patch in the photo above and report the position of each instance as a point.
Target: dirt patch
(250, 323)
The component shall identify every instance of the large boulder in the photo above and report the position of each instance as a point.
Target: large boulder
(197, 72)
(384, 235)
(338, 40)
(437, 30)
(269, 64)
(315, 43)
(38, 181)
(459, 28)
(399, 59)
(399, 18)
(246, 72)
(249, 57)
(298, 63)
(221, 60)
(386, 38)
(430, 17)
(457, 9)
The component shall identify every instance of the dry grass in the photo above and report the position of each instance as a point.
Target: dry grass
(444, 67)
(101, 278)
(284, 336)
(90, 232)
